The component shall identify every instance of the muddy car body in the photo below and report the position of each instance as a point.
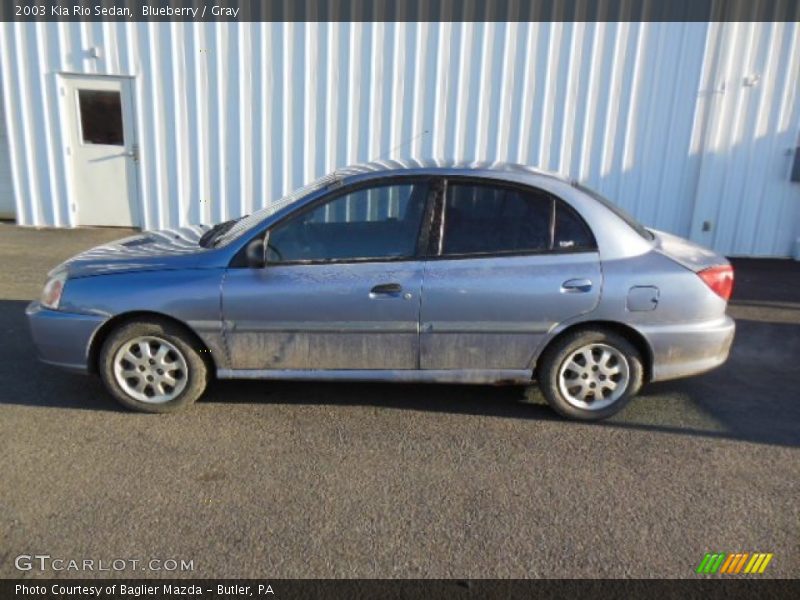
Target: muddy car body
(390, 271)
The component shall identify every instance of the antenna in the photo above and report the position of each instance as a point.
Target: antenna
(400, 145)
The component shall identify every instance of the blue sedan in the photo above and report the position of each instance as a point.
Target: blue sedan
(397, 271)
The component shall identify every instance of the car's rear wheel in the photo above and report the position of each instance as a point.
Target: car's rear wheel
(590, 374)
(152, 366)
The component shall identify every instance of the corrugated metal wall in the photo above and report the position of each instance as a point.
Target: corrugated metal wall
(6, 189)
(752, 99)
(231, 116)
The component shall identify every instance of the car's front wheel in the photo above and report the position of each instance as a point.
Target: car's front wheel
(152, 366)
(590, 374)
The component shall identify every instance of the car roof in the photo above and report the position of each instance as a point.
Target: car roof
(615, 237)
(430, 166)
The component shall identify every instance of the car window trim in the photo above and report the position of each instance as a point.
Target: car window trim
(343, 191)
(434, 192)
(437, 255)
(512, 254)
(436, 223)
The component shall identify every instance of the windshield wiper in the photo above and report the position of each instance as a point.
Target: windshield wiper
(207, 239)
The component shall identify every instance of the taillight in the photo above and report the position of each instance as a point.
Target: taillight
(719, 279)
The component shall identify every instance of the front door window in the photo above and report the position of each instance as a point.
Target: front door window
(377, 223)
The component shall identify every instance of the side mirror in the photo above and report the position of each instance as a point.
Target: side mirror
(256, 254)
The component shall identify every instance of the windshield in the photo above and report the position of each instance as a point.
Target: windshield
(228, 234)
(633, 223)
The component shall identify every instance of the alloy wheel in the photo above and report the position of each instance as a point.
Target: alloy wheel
(594, 376)
(150, 369)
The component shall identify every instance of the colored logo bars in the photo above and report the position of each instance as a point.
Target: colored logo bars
(734, 564)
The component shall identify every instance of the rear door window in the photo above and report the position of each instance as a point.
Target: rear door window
(486, 218)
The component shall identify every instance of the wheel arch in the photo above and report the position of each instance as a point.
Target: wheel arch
(629, 333)
(117, 321)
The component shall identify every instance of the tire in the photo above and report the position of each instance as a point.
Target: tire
(152, 366)
(590, 374)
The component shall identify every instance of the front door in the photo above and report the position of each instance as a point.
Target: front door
(101, 147)
(512, 263)
(341, 289)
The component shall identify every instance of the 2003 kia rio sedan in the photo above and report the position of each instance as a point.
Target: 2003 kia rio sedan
(423, 271)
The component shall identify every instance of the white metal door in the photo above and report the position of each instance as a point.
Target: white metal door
(746, 203)
(101, 151)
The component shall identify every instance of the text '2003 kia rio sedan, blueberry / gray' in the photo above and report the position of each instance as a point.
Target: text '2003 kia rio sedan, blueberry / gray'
(406, 272)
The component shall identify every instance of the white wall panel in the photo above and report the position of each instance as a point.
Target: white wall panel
(744, 193)
(7, 205)
(231, 116)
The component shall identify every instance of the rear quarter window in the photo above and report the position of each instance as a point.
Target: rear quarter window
(571, 231)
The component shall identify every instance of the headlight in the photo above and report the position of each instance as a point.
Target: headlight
(51, 294)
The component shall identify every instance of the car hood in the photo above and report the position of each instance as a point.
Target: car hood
(148, 251)
(690, 255)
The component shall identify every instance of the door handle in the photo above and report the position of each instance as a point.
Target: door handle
(386, 289)
(575, 286)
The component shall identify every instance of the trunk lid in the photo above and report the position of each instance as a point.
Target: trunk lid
(688, 254)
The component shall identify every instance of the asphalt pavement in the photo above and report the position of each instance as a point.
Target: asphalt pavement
(265, 479)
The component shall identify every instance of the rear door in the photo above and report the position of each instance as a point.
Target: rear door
(506, 264)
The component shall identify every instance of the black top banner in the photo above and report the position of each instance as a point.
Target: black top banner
(399, 10)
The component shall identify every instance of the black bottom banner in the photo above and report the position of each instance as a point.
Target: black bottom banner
(329, 589)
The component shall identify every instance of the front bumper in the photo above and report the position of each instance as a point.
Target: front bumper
(684, 350)
(62, 339)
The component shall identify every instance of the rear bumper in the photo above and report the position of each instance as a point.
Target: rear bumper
(62, 339)
(684, 350)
